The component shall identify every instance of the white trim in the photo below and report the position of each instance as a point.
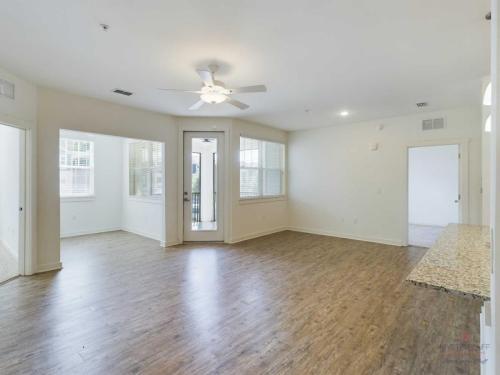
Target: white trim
(264, 139)
(218, 233)
(258, 234)
(49, 267)
(83, 198)
(157, 200)
(86, 232)
(257, 200)
(171, 243)
(385, 241)
(228, 175)
(27, 254)
(21, 252)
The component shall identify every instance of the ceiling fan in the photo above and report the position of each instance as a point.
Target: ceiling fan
(215, 92)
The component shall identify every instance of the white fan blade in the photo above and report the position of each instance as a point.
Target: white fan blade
(257, 88)
(237, 103)
(196, 105)
(178, 90)
(206, 76)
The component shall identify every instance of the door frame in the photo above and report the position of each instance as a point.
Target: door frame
(26, 264)
(211, 125)
(210, 235)
(463, 173)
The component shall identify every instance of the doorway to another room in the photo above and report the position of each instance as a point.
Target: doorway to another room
(12, 188)
(203, 193)
(433, 192)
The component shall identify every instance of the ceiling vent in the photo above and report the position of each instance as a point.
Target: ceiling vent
(433, 124)
(7, 89)
(122, 92)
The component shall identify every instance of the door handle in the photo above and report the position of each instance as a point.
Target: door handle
(456, 200)
(186, 199)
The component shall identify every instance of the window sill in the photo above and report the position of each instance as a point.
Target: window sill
(158, 200)
(78, 199)
(278, 198)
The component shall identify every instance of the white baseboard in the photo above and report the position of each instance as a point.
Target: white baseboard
(83, 233)
(141, 233)
(384, 241)
(171, 243)
(49, 267)
(251, 236)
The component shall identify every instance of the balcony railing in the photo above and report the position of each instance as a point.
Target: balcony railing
(196, 207)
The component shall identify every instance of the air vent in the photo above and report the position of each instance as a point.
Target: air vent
(7, 89)
(433, 124)
(427, 125)
(122, 92)
(438, 123)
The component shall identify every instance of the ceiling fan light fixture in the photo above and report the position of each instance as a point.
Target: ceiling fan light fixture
(213, 97)
(213, 94)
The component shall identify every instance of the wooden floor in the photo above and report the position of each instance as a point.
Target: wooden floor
(288, 303)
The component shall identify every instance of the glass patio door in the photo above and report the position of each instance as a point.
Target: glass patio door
(203, 196)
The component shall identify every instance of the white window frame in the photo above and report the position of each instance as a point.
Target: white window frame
(260, 168)
(150, 197)
(91, 167)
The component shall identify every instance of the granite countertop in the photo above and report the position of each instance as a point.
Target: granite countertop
(459, 262)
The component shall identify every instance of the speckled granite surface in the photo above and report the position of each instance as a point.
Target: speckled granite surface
(458, 263)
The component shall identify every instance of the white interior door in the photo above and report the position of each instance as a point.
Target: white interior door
(12, 201)
(203, 186)
(433, 185)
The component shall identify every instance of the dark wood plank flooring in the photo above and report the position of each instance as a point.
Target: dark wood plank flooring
(289, 303)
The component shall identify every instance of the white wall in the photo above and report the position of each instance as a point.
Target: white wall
(103, 212)
(244, 219)
(337, 186)
(9, 188)
(22, 112)
(433, 185)
(253, 218)
(140, 215)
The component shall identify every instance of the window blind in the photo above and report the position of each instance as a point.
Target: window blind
(145, 169)
(261, 168)
(76, 168)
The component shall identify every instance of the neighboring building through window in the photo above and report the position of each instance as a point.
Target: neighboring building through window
(76, 168)
(262, 168)
(145, 169)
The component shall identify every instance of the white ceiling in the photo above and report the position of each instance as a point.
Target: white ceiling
(374, 58)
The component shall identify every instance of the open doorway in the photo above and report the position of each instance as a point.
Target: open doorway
(110, 184)
(12, 183)
(433, 192)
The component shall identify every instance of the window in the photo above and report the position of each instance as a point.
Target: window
(76, 168)
(262, 166)
(145, 169)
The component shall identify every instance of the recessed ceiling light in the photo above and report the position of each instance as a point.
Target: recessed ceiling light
(344, 113)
